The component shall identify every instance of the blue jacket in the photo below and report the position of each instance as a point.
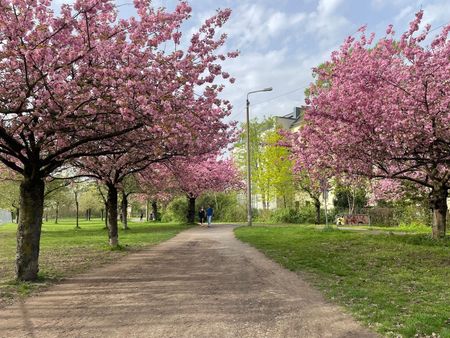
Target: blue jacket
(209, 212)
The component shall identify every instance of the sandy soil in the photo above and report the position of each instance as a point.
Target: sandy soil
(202, 283)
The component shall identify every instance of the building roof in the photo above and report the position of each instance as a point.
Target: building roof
(291, 120)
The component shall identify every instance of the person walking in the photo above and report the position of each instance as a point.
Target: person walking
(202, 215)
(209, 215)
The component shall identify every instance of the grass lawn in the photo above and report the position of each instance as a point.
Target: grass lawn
(416, 229)
(398, 285)
(66, 251)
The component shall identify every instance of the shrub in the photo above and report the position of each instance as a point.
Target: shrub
(286, 216)
(304, 215)
(176, 210)
(225, 205)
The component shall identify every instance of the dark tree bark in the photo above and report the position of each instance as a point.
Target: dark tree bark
(317, 206)
(57, 213)
(106, 214)
(147, 210)
(124, 208)
(438, 203)
(155, 210)
(17, 215)
(113, 230)
(29, 227)
(191, 210)
(102, 211)
(77, 210)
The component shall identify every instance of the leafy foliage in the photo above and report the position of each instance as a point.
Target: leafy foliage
(272, 175)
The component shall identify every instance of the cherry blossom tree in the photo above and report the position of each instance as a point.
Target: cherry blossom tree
(382, 111)
(71, 81)
(139, 149)
(386, 190)
(157, 185)
(192, 125)
(194, 176)
(188, 124)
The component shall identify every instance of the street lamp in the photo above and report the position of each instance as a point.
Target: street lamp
(249, 170)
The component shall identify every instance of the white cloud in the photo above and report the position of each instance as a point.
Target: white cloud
(255, 24)
(327, 7)
(437, 13)
(278, 49)
(280, 41)
(405, 14)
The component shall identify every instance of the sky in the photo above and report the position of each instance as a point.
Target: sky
(281, 41)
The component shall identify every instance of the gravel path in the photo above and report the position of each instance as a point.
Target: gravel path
(201, 283)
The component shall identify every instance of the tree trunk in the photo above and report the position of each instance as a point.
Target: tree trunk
(349, 202)
(77, 211)
(29, 228)
(106, 215)
(317, 206)
(155, 210)
(102, 213)
(113, 230)
(147, 210)
(77, 225)
(124, 208)
(57, 213)
(17, 215)
(46, 216)
(438, 203)
(191, 210)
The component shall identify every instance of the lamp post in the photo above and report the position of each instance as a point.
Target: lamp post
(249, 170)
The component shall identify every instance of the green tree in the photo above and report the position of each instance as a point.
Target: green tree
(90, 199)
(57, 195)
(129, 186)
(277, 168)
(270, 164)
(305, 182)
(9, 195)
(257, 164)
(350, 196)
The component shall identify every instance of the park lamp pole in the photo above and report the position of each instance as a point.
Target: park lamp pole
(249, 171)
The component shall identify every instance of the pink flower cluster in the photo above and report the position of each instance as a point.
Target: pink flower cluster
(381, 110)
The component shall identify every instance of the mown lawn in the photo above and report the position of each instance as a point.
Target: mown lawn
(66, 251)
(416, 229)
(396, 284)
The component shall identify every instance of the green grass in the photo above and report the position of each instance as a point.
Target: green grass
(416, 229)
(66, 251)
(398, 285)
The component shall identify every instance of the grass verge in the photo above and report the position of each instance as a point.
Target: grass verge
(416, 229)
(66, 251)
(398, 285)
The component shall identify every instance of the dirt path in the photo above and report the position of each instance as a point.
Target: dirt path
(202, 283)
